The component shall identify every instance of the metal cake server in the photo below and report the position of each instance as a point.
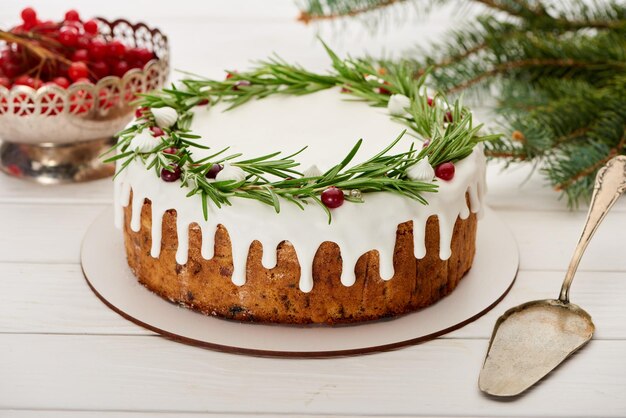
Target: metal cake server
(531, 339)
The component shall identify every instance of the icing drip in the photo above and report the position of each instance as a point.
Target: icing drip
(356, 227)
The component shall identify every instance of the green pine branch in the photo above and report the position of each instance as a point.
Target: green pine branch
(558, 70)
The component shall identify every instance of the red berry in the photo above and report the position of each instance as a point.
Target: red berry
(29, 15)
(97, 50)
(203, 102)
(78, 70)
(230, 74)
(120, 68)
(212, 173)
(23, 80)
(68, 36)
(116, 49)
(83, 42)
(448, 117)
(426, 143)
(445, 171)
(100, 69)
(140, 112)
(170, 150)
(80, 55)
(28, 81)
(145, 55)
(47, 26)
(11, 69)
(91, 27)
(156, 131)
(83, 80)
(332, 197)
(384, 90)
(5, 82)
(170, 176)
(430, 101)
(72, 16)
(61, 82)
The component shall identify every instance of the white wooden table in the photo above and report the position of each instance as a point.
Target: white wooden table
(64, 354)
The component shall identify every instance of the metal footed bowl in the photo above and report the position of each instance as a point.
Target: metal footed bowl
(54, 135)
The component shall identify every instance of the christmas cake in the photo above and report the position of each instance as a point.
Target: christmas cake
(283, 196)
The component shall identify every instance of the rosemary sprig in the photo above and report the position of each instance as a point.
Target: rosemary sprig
(273, 178)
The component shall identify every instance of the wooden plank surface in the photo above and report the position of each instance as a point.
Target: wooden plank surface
(153, 374)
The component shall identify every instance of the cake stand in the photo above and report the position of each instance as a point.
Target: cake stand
(104, 265)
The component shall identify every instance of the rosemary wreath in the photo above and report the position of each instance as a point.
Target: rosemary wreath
(446, 128)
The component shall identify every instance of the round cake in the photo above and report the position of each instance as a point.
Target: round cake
(305, 247)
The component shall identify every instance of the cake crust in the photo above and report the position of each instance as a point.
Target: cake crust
(273, 295)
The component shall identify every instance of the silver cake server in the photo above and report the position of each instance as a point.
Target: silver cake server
(531, 339)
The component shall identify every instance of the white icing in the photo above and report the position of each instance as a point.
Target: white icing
(230, 172)
(312, 171)
(165, 117)
(144, 141)
(421, 171)
(356, 227)
(397, 105)
(371, 77)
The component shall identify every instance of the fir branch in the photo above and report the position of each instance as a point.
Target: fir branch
(334, 9)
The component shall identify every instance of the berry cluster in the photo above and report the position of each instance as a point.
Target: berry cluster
(75, 49)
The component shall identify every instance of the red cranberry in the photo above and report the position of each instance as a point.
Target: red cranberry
(83, 42)
(140, 54)
(140, 112)
(91, 27)
(29, 16)
(80, 55)
(61, 82)
(203, 102)
(97, 50)
(11, 69)
(170, 176)
(120, 68)
(332, 197)
(445, 171)
(24, 80)
(230, 74)
(100, 69)
(384, 90)
(72, 16)
(78, 70)
(28, 81)
(47, 26)
(68, 36)
(430, 101)
(156, 131)
(212, 173)
(116, 49)
(448, 117)
(5, 82)
(171, 151)
(83, 80)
